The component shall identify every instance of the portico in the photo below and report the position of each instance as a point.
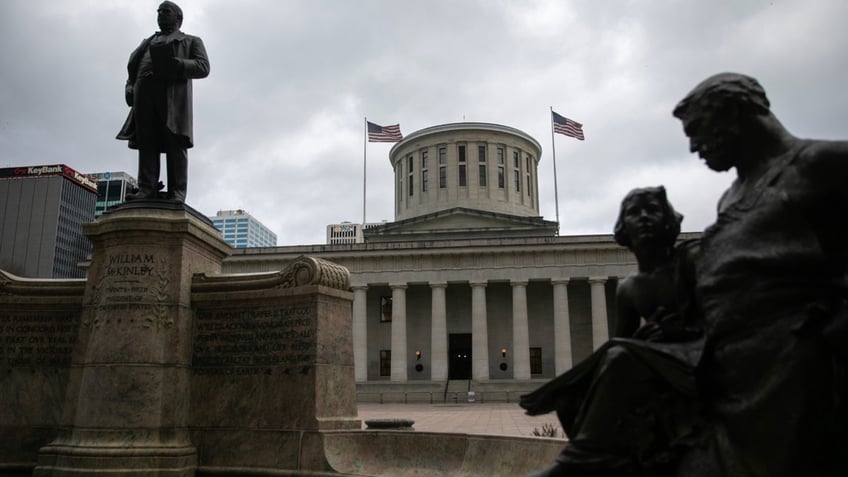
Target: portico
(502, 337)
(532, 307)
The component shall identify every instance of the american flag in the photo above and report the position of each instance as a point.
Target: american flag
(377, 133)
(567, 126)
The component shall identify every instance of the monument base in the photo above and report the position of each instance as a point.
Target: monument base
(126, 407)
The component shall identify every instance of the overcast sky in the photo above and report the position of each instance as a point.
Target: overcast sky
(278, 124)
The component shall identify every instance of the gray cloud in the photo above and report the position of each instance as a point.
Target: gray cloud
(279, 122)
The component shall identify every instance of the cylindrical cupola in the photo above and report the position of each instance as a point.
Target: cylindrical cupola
(479, 166)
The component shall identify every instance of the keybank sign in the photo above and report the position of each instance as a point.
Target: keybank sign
(39, 170)
(52, 170)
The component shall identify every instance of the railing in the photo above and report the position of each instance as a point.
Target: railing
(406, 397)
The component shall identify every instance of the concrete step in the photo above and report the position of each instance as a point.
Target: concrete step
(458, 386)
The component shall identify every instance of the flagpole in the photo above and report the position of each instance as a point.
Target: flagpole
(553, 151)
(364, 166)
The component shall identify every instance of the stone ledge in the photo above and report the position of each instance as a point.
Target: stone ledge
(302, 271)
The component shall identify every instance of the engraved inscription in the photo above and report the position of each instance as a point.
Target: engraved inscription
(243, 342)
(135, 283)
(29, 339)
(127, 278)
(130, 264)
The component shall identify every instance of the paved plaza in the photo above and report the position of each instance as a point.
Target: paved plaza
(500, 419)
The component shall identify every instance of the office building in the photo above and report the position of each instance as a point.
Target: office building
(348, 233)
(42, 209)
(112, 189)
(242, 230)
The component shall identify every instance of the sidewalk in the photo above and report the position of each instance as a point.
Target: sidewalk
(500, 419)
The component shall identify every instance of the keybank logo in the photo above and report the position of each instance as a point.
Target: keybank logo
(37, 171)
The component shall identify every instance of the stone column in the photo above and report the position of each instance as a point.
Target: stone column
(600, 329)
(479, 333)
(360, 332)
(398, 333)
(439, 333)
(520, 333)
(562, 327)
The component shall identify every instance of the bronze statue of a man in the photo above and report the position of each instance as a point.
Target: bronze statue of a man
(771, 285)
(159, 93)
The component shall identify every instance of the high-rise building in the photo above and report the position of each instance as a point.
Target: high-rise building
(42, 209)
(112, 189)
(242, 230)
(348, 232)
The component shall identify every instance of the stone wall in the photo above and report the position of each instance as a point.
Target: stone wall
(39, 325)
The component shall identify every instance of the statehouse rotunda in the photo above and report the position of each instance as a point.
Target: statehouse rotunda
(469, 288)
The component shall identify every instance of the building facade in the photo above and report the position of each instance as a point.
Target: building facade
(112, 189)
(242, 230)
(42, 209)
(462, 309)
(348, 232)
(468, 284)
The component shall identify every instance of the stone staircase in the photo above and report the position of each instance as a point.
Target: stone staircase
(457, 390)
(454, 391)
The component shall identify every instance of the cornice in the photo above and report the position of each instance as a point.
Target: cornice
(466, 126)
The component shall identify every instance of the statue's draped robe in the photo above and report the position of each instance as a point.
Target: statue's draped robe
(772, 287)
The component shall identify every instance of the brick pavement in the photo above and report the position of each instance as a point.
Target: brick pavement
(501, 419)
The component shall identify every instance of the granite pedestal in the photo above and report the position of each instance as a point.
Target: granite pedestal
(128, 397)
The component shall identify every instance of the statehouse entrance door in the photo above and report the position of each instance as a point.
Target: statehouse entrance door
(459, 356)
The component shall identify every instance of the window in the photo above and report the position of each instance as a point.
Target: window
(425, 164)
(527, 174)
(516, 170)
(114, 191)
(411, 166)
(443, 173)
(463, 181)
(501, 171)
(385, 362)
(481, 158)
(535, 360)
(385, 309)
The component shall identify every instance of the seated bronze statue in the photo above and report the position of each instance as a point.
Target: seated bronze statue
(631, 407)
(768, 394)
(771, 287)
